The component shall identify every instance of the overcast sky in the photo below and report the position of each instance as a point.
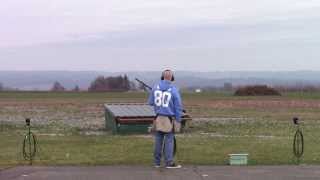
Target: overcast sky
(139, 35)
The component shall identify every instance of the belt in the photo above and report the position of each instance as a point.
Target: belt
(170, 117)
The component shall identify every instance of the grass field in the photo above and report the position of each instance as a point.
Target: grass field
(70, 129)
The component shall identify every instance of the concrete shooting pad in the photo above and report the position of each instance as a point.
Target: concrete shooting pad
(149, 173)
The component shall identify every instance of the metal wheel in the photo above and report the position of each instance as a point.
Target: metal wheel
(298, 144)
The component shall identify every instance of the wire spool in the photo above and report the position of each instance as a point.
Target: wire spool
(298, 144)
(29, 146)
(298, 141)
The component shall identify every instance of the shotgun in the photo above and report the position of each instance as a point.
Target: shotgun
(144, 84)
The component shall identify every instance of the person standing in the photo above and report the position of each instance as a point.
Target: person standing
(166, 100)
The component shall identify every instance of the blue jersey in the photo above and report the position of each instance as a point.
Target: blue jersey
(166, 100)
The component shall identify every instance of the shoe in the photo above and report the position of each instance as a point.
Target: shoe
(157, 166)
(173, 166)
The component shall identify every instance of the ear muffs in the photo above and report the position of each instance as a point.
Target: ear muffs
(162, 76)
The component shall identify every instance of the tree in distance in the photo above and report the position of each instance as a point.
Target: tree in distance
(76, 89)
(57, 87)
(105, 84)
(256, 90)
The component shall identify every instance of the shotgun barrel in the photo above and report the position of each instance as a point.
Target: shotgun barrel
(144, 84)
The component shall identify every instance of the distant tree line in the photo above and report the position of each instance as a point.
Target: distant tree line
(257, 90)
(122, 84)
(4, 88)
(118, 83)
(298, 88)
(101, 84)
(229, 87)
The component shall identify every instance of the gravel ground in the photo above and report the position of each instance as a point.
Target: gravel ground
(84, 116)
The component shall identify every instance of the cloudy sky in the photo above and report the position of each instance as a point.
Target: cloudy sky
(138, 35)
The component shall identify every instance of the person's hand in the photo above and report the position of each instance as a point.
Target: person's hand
(177, 127)
(152, 128)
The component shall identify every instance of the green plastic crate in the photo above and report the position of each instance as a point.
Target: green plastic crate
(238, 159)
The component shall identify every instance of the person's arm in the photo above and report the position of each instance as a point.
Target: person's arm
(178, 105)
